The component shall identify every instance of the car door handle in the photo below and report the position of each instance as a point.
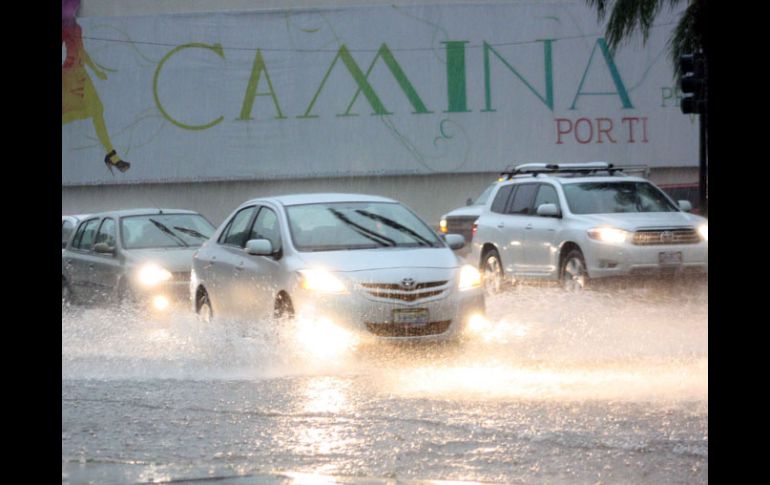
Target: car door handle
(239, 267)
(529, 226)
(90, 266)
(500, 225)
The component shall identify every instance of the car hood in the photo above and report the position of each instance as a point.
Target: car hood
(632, 221)
(377, 259)
(172, 259)
(469, 210)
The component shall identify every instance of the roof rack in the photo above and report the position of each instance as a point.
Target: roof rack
(568, 168)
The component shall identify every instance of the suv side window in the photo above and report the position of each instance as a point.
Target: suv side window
(266, 227)
(85, 235)
(501, 199)
(521, 203)
(238, 228)
(546, 194)
(106, 233)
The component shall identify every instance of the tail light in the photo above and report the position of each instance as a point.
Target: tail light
(475, 228)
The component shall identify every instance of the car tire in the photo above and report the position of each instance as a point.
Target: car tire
(492, 268)
(204, 310)
(283, 307)
(574, 275)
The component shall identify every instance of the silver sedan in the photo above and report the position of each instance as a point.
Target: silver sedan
(142, 256)
(349, 263)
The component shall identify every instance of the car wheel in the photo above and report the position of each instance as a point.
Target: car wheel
(493, 272)
(283, 307)
(205, 313)
(574, 276)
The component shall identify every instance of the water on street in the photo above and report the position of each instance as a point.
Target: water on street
(609, 386)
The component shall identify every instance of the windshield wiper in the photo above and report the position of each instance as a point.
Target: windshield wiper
(191, 232)
(168, 231)
(395, 225)
(378, 238)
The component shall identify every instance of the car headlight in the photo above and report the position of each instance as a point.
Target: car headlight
(151, 275)
(469, 278)
(321, 281)
(704, 232)
(442, 226)
(608, 234)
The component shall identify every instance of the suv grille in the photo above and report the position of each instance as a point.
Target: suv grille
(461, 225)
(391, 291)
(399, 330)
(650, 237)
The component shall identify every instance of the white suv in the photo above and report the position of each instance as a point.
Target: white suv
(573, 222)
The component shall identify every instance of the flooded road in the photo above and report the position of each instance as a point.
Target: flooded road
(609, 386)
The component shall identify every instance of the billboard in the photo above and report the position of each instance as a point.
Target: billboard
(362, 90)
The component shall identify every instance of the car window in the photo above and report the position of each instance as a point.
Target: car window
(66, 230)
(85, 237)
(501, 199)
(238, 228)
(546, 194)
(164, 230)
(266, 227)
(106, 233)
(614, 197)
(521, 203)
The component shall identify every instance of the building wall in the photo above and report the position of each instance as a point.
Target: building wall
(429, 195)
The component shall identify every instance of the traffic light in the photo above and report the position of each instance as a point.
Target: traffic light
(693, 83)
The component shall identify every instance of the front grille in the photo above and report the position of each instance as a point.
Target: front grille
(401, 330)
(461, 225)
(394, 291)
(651, 237)
(180, 276)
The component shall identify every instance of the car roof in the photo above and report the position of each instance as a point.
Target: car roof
(320, 198)
(140, 212)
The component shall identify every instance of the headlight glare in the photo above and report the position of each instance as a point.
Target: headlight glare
(321, 281)
(442, 226)
(704, 232)
(608, 234)
(469, 278)
(151, 274)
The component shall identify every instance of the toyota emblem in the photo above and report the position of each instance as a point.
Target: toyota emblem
(407, 284)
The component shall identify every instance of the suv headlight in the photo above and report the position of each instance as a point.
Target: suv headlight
(469, 278)
(608, 234)
(442, 226)
(321, 281)
(704, 232)
(151, 274)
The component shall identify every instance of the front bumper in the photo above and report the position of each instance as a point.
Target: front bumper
(373, 319)
(164, 297)
(606, 260)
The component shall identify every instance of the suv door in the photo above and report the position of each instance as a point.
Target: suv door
(517, 217)
(106, 268)
(77, 260)
(540, 236)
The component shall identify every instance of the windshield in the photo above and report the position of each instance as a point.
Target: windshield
(357, 225)
(164, 231)
(613, 197)
(482, 199)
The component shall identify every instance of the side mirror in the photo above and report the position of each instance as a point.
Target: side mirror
(104, 248)
(685, 205)
(469, 201)
(548, 210)
(259, 247)
(455, 241)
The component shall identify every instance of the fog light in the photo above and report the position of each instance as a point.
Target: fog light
(160, 303)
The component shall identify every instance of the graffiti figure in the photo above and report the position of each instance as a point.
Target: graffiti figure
(79, 99)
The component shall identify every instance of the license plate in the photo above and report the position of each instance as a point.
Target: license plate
(670, 259)
(411, 316)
